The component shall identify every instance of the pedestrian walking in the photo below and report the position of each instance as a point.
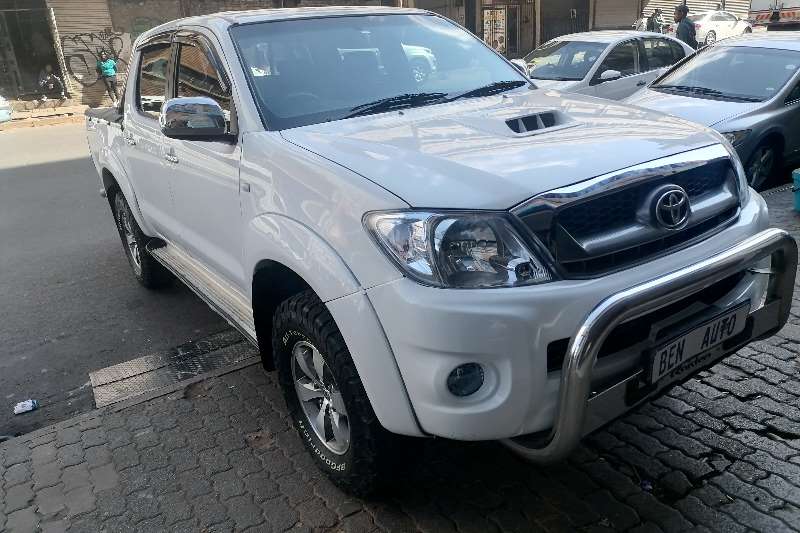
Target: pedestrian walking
(655, 22)
(685, 31)
(107, 68)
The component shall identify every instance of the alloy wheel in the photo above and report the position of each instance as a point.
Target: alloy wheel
(711, 38)
(124, 221)
(320, 397)
(761, 165)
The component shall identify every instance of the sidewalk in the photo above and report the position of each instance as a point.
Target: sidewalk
(45, 117)
(720, 453)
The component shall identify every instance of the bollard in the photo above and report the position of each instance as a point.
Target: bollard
(796, 189)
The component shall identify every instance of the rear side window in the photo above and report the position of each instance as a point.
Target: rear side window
(197, 76)
(659, 53)
(678, 52)
(624, 58)
(152, 79)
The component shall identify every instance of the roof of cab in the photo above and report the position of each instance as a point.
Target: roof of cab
(606, 36)
(230, 18)
(784, 40)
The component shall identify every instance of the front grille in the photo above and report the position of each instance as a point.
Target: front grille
(616, 229)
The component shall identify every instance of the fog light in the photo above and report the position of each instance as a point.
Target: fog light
(465, 379)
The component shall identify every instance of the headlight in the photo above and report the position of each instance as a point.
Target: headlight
(735, 137)
(467, 250)
(744, 185)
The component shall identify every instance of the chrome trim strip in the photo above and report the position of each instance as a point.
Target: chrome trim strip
(576, 374)
(604, 183)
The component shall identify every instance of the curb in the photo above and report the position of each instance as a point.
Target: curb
(43, 121)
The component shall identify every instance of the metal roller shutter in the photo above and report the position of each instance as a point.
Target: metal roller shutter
(739, 8)
(85, 28)
(615, 14)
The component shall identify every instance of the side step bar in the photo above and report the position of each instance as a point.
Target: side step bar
(220, 295)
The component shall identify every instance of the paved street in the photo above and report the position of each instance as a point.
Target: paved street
(720, 453)
(68, 301)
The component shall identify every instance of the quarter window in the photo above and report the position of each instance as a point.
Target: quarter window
(659, 53)
(152, 79)
(624, 58)
(197, 76)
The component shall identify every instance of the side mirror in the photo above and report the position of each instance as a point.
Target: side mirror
(192, 118)
(610, 75)
(521, 66)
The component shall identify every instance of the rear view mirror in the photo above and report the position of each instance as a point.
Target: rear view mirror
(192, 118)
(521, 66)
(609, 75)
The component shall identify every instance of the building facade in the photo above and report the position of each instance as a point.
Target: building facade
(64, 37)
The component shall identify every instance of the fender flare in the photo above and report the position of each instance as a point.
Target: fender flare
(278, 238)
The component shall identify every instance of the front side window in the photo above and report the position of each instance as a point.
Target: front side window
(563, 60)
(152, 79)
(197, 76)
(308, 71)
(659, 53)
(624, 58)
(735, 73)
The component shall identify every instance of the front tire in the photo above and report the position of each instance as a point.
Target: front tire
(147, 270)
(325, 397)
(711, 38)
(762, 164)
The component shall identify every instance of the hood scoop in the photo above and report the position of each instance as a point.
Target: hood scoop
(540, 122)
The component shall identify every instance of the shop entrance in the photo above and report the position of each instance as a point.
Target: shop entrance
(509, 28)
(26, 50)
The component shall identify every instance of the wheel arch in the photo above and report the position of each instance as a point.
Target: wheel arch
(114, 179)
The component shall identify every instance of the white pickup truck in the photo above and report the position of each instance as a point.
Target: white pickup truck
(459, 255)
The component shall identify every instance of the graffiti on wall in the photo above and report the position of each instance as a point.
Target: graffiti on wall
(82, 50)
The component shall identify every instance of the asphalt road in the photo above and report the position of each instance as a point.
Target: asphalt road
(68, 301)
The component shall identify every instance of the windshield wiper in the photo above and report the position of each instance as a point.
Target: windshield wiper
(401, 101)
(706, 91)
(488, 90)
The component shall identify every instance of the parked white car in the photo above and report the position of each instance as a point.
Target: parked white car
(5, 110)
(711, 26)
(462, 256)
(607, 64)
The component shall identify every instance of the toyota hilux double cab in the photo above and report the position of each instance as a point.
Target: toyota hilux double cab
(457, 255)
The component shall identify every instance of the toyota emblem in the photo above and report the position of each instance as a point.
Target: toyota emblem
(672, 208)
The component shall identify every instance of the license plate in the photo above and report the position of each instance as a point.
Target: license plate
(689, 346)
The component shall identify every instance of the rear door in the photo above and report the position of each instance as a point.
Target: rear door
(205, 173)
(624, 58)
(142, 137)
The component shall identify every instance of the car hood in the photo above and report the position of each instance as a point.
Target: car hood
(463, 154)
(557, 85)
(703, 110)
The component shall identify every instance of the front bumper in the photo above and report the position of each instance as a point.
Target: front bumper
(509, 331)
(581, 412)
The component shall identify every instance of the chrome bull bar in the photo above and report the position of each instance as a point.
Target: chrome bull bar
(577, 414)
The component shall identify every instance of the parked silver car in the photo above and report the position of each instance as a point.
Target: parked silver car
(5, 110)
(747, 88)
(607, 64)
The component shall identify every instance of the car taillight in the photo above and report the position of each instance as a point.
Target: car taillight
(697, 26)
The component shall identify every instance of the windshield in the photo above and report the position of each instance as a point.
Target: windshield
(733, 73)
(316, 70)
(563, 60)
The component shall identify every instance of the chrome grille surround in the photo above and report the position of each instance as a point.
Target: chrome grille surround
(606, 223)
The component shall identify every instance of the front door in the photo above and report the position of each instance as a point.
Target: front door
(144, 140)
(205, 173)
(624, 59)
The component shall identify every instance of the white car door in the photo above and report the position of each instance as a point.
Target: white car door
(624, 59)
(205, 173)
(144, 140)
(658, 55)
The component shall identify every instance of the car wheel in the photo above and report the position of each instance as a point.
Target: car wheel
(147, 270)
(762, 164)
(325, 396)
(748, 30)
(420, 71)
(711, 38)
